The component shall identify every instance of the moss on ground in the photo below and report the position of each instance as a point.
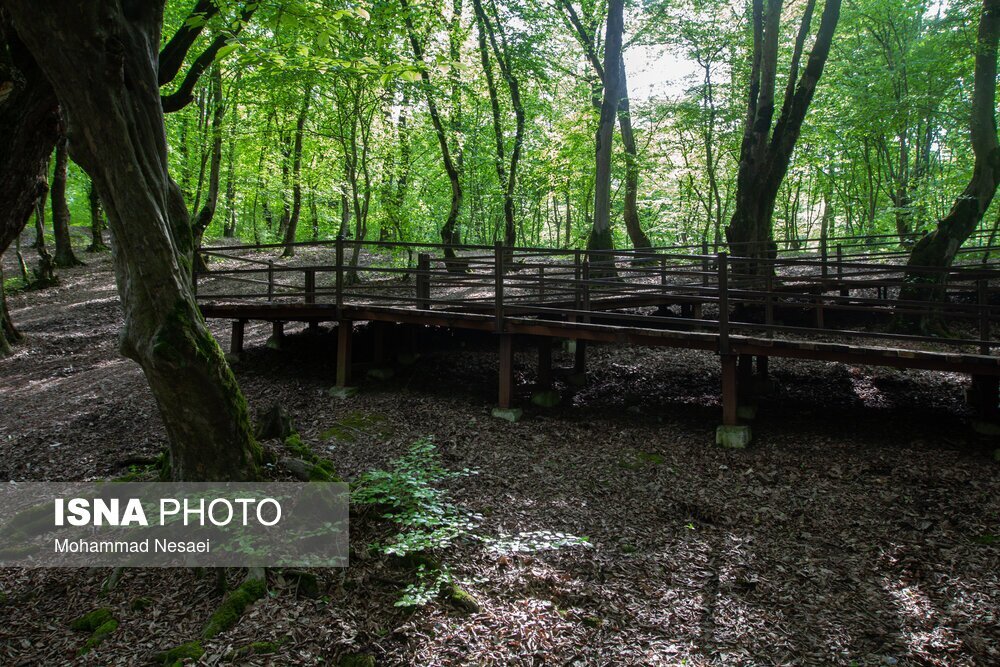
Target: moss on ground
(92, 620)
(356, 423)
(232, 608)
(98, 636)
(178, 654)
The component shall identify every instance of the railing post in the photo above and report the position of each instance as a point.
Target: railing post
(704, 263)
(840, 271)
(498, 282)
(270, 280)
(769, 303)
(310, 284)
(824, 270)
(663, 269)
(576, 280)
(984, 315)
(541, 282)
(722, 263)
(423, 281)
(586, 290)
(340, 275)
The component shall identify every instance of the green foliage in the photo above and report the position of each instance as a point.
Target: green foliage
(410, 497)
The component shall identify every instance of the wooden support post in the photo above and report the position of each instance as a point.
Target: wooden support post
(236, 340)
(982, 294)
(545, 363)
(344, 339)
(819, 311)
(423, 281)
(310, 286)
(278, 331)
(762, 370)
(730, 399)
(744, 383)
(506, 371)
(580, 358)
(378, 342)
(541, 283)
(984, 396)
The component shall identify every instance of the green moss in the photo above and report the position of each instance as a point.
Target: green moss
(91, 621)
(100, 634)
(321, 470)
(262, 648)
(296, 446)
(592, 621)
(229, 612)
(461, 599)
(178, 654)
(356, 660)
(358, 423)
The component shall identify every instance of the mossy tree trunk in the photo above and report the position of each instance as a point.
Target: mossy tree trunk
(29, 122)
(64, 257)
(938, 249)
(101, 58)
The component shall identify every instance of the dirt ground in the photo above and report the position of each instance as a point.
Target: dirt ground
(860, 528)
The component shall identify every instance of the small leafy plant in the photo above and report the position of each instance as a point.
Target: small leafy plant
(410, 496)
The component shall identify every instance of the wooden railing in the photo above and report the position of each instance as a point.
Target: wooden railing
(659, 288)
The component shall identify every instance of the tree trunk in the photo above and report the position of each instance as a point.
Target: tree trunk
(207, 212)
(29, 124)
(293, 220)
(765, 154)
(96, 221)
(631, 212)
(64, 256)
(8, 334)
(600, 236)
(449, 232)
(108, 88)
(938, 249)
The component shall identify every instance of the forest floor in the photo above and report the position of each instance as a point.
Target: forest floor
(862, 527)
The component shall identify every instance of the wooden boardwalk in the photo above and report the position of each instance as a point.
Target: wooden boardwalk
(837, 308)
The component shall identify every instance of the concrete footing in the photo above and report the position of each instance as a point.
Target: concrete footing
(343, 392)
(508, 414)
(732, 437)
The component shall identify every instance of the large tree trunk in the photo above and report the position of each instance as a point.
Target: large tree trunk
(101, 58)
(64, 256)
(293, 220)
(600, 236)
(765, 154)
(938, 249)
(29, 124)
